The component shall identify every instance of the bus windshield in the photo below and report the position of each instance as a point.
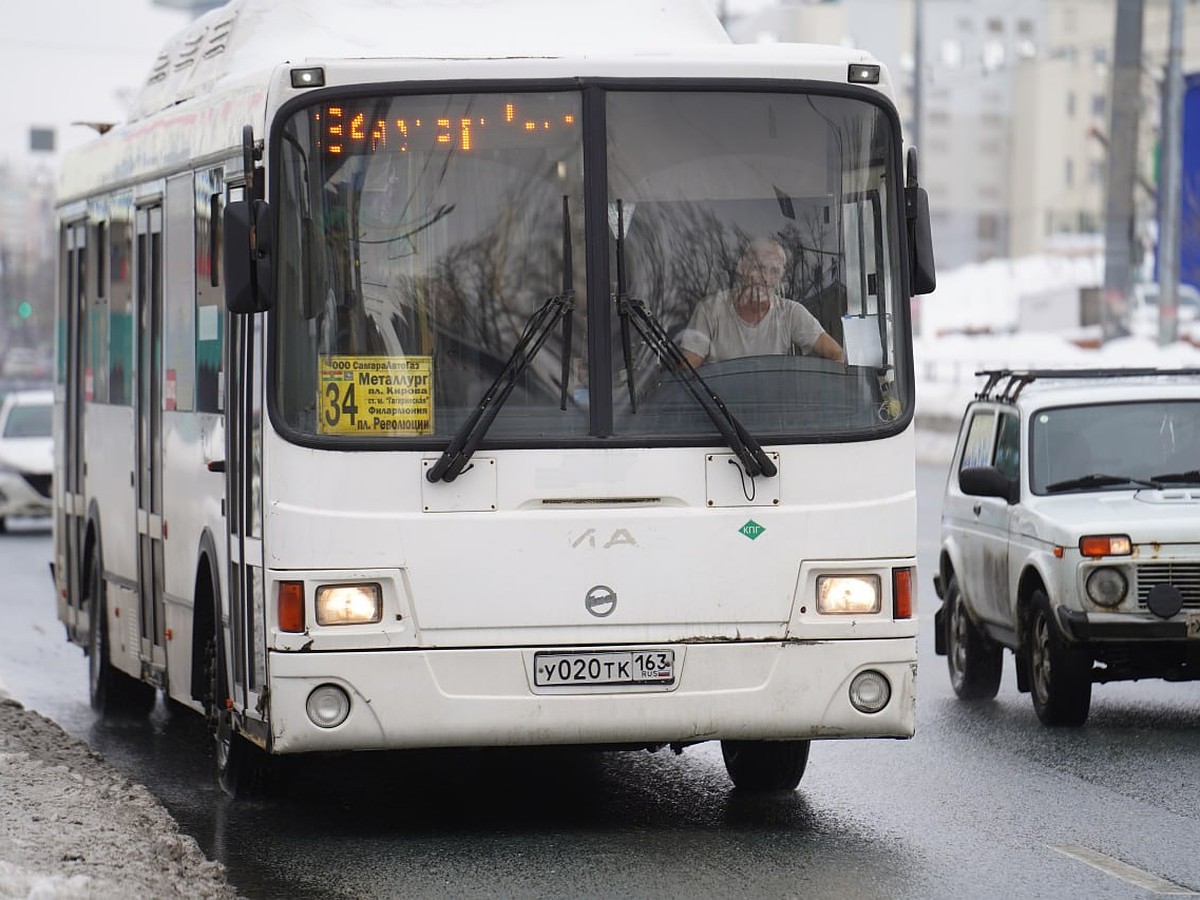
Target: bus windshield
(419, 236)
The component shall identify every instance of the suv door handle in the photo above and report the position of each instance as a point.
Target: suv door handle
(977, 508)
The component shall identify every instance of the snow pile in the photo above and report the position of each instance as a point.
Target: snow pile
(73, 827)
(987, 296)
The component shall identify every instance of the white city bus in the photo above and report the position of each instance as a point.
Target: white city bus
(373, 430)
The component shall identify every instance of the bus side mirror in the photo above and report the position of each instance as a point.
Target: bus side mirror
(249, 238)
(923, 276)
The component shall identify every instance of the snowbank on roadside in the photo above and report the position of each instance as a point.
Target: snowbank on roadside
(74, 827)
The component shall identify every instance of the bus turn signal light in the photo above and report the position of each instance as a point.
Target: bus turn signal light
(902, 607)
(291, 606)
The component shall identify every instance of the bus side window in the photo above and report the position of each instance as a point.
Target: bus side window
(120, 301)
(95, 361)
(210, 325)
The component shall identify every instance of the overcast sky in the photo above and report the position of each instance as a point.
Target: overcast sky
(63, 61)
(70, 60)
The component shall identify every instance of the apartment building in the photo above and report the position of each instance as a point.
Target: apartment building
(1015, 109)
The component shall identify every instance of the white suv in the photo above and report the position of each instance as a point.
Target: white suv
(1071, 535)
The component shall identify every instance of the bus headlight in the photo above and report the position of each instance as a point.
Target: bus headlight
(1106, 586)
(349, 604)
(328, 706)
(845, 595)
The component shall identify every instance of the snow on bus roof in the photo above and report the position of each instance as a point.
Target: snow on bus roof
(246, 36)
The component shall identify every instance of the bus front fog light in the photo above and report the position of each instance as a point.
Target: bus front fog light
(328, 706)
(847, 595)
(870, 691)
(349, 604)
(1106, 586)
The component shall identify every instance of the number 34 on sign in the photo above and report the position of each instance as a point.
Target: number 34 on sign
(376, 395)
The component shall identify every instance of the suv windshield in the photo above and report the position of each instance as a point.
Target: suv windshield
(419, 236)
(1115, 446)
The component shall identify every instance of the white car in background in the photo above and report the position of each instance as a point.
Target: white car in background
(26, 454)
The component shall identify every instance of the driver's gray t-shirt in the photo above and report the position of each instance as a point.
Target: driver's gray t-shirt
(716, 332)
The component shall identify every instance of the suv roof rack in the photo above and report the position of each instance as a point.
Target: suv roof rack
(1018, 378)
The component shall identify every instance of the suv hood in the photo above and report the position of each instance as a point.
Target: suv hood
(1167, 516)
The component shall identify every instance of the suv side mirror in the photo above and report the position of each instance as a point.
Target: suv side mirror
(988, 481)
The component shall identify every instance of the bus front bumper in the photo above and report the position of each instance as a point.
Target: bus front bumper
(485, 697)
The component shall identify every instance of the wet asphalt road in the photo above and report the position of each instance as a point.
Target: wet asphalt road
(984, 802)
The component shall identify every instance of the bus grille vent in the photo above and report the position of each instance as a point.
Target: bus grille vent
(599, 501)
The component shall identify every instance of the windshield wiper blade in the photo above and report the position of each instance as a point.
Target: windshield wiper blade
(1192, 476)
(745, 446)
(466, 440)
(1099, 479)
(560, 307)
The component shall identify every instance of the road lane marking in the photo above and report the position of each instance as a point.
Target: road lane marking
(1131, 874)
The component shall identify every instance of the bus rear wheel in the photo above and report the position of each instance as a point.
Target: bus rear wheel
(765, 765)
(110, 691)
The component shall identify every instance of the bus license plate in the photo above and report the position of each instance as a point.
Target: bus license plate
(604, 667)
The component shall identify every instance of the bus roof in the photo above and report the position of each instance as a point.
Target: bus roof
(228, 68)
(247, 36)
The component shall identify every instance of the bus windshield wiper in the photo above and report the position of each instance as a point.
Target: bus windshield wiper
(632, 311)
(560, 307)
(1099, 479)
(1192, 476)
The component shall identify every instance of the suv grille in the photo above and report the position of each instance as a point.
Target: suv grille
(40, 483)
(1185, 576)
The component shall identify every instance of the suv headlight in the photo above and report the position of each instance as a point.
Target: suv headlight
(847, 595)
(1106, 586)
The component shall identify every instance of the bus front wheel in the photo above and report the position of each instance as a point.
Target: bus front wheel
(765, 765)
(242, 769)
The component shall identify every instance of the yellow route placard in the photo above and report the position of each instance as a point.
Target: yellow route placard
(372, 395)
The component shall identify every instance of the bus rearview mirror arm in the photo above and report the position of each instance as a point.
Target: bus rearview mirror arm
(249, 240)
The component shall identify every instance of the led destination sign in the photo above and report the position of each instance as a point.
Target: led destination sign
(422, 124)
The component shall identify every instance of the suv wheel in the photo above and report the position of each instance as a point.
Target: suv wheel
(975, 661)
(1060, 677)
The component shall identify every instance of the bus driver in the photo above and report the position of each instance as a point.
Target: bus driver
(755, 319)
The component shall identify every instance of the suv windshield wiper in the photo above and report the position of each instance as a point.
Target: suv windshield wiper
(558, 308)
(744, 445)
(1192, 476)
(1099, 479)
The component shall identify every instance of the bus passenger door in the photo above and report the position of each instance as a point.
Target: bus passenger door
(149, 401)
(72, 511)
(243, 434)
